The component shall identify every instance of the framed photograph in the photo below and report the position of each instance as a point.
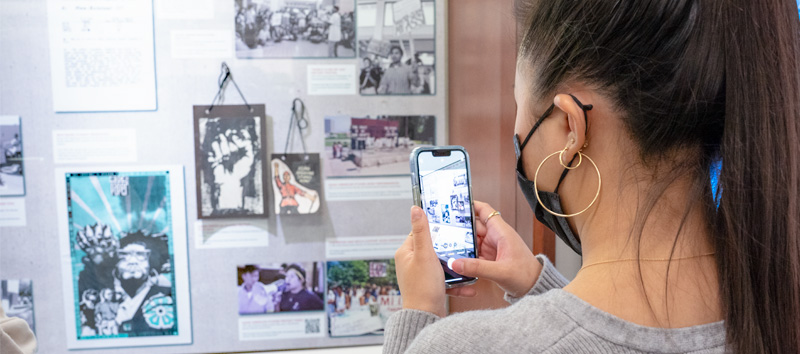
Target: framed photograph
(361, 296)
(17, 300)
(380, 146)
(12, 173)
(230, 161)
(397, 47)
(296, 183)
(280, 287)
(123, 252)
(295, 29)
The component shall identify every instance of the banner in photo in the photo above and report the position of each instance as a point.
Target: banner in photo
(16, 296)
(125, 270)
(399, 57)
(295, 29)
(361, 296)
(280, 287)
(12, 174)
(380, 146)
(296, 183)
(230, 161)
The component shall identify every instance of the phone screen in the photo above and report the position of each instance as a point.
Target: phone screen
(445, 198)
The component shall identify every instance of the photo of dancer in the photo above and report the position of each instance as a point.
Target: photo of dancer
(12, 179)
(287, 287)
(230, 162)
(361, 296)
(379, 146)
(397, 47)
(16, 296)
(295, 29)
(296, 183)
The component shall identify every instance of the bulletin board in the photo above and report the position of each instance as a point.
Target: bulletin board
(352, 186)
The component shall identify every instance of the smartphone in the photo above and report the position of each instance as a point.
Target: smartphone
(442, 187)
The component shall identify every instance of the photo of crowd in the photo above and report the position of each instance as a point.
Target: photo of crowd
(295, 28)
(287, 287)
(397, 47)
(361, 296)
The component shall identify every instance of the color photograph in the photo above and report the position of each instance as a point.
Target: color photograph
(296, 183)
(280, 287)
(361, 296)
(380, 146)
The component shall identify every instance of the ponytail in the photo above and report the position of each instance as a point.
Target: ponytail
(757, 226)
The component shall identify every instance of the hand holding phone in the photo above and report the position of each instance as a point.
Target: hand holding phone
(505, 258)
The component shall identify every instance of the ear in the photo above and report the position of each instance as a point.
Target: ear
(576, 135)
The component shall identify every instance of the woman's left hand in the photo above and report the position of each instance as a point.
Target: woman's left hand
(419, 273)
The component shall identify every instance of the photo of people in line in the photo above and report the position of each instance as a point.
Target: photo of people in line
(230, 160)
(295, 28)
(287, 287)
(121, 232)
(16, 296)
(380, 146)
(12, 178)
(397, 47)
(361, 296)
(296, 183)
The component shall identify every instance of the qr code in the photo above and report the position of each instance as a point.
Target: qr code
(312, 325)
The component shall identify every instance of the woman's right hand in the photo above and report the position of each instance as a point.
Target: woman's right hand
(504, 258)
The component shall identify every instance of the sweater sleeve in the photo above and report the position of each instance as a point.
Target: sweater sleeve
(549, 279)
(402, 327)
(15, 335)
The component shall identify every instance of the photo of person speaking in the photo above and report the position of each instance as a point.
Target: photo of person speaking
(287, 287)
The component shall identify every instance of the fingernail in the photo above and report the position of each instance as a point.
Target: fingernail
(415, 214)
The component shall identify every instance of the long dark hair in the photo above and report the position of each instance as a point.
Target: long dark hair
(715, 77)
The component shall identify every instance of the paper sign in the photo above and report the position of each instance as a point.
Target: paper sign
(331, 79)
(94, 146)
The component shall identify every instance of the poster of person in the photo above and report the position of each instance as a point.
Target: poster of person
(230, 161)
(125, 269)
(17, 299)
(280, 287)
(380, 146)
(295, 28)
(361, 296)
(397, 47)
(296, 183)
(12, 178)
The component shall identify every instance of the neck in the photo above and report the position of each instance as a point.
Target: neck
(665, 276)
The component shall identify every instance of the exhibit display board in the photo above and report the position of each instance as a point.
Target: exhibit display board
(157, 198)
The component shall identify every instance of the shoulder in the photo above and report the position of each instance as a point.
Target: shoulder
(531, 325)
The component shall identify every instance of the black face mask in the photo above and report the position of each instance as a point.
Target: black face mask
(549, 200)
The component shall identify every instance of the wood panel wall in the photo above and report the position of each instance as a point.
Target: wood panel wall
(481, 66)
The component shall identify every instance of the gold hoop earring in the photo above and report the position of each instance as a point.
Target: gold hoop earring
(536, 177)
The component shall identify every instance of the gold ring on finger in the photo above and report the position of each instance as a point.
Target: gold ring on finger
(493, 214)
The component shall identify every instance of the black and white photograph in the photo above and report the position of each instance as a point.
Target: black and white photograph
(379, 146)
(296, 183)
(17, 299)
(230, 162)
(397, 47)
(280, 287)
(295, 28)
(12, 176)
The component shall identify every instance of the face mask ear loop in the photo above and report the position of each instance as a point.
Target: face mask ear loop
(538, 122)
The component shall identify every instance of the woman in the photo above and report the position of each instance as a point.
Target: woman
(645, 97)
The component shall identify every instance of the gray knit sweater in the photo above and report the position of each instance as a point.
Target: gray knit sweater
(546, 320)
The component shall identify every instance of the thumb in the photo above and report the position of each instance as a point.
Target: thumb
(478, 268)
